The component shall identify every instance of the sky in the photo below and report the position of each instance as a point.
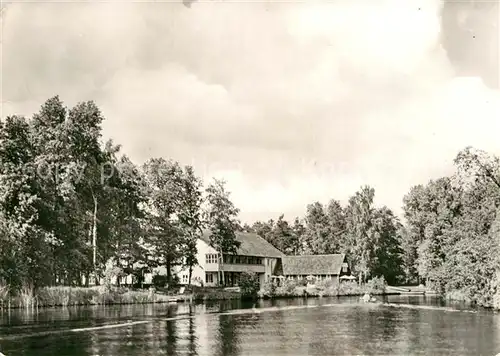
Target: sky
(289, 102)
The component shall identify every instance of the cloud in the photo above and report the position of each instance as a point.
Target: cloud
(291, 102)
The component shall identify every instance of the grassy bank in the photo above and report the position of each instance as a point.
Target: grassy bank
(291, 289)
(82, 296)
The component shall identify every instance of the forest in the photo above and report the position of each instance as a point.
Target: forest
(71, 202)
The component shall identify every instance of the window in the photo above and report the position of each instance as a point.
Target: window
(185, 278)
(344, 267)
(211, 258)
(209, 278)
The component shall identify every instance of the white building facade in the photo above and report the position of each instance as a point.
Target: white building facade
(255, 255)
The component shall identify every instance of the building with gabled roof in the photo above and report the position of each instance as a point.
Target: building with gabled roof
(318, 267)
(254, 255)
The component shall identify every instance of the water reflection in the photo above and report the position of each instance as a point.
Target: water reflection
(227, 338)
(171, 336)
(193, 339)
(283, 327)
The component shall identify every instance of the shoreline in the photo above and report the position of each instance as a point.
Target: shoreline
(191, 299)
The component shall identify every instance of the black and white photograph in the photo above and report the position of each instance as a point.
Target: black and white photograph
(249, 177)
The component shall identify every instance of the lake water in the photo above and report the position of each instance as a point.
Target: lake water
(336, 326)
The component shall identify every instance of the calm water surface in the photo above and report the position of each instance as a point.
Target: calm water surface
(402, 326)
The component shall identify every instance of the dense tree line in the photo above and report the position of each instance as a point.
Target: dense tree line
(452, 235)
(371, 237)
(71, 204)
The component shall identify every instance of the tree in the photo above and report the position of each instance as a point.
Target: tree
(29, 244)
(359, 226)
(477, 166)
(408, 255)
(316, 239)
(126, 194)
(282, 236)
(429, 212)
(388, 253)
(83, 129)
(264, 229)
(337, 227)
(220, 217)
(164, 180)
(495, 281)
(190, 216)
(299, 231)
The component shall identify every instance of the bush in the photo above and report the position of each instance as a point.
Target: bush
(376, 285)
(268, 289)
(160, 281)
(301, 283)
(249, 285)
(349, 289)
(110, 273)
(289, 288)
(325, 284)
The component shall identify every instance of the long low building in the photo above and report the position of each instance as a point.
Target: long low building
(318, 267)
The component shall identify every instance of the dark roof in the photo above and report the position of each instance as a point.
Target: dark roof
(312, 264)
(251, 245)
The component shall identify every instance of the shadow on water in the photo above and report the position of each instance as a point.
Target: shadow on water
(340, 326)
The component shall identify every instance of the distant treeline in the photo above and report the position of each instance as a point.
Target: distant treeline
(70, 204)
